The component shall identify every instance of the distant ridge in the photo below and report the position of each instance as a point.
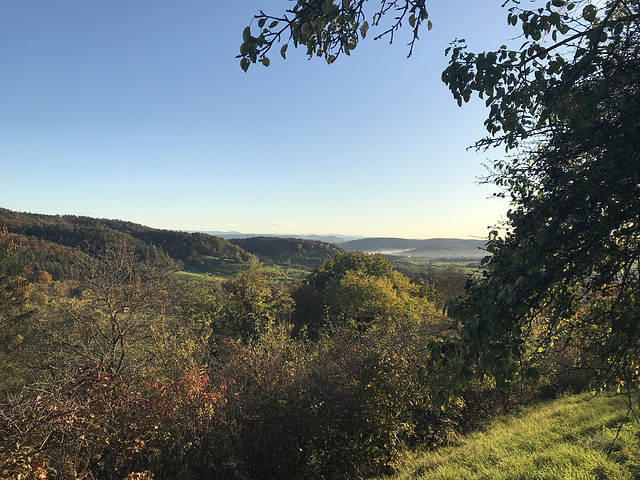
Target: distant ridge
(329, 238)
(424, 248)
(428, 248)
(54, 238)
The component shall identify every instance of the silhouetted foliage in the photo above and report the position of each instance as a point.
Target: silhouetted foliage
(562, 280)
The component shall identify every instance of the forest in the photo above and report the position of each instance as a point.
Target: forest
(114, 365)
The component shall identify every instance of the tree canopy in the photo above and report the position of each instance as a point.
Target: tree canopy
(563, 269)
(361, 290)
(564, 274)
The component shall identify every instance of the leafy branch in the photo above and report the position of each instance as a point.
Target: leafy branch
(328, 28)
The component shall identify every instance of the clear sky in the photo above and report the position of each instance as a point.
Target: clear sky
(138, 110)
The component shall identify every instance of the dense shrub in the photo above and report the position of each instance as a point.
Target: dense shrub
(216, 385)
(343, 405)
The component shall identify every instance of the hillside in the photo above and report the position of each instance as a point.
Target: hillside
(335, 238)
(445, 248)
(149, 373)
(309, 253)
(51, 239)
(572, 437)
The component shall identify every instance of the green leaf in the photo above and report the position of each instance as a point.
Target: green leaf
(265, 61)
(261, 22)
(429, 25)
(273, 24)
(532, 373)
(422, 374)
(412, 20)
(283, 50)
(246, 34)
(589, 13)
(244, 63)
(364, 28)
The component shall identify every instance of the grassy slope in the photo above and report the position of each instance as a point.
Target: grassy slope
(570, 438)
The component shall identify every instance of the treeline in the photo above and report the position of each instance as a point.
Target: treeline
(309, 253)
(51, 239)
(122, 370)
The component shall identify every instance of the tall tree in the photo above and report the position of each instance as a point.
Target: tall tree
(565, 271)
(107, 316)
(360, 290)
(254, 302)
(14, 294)
(14, 287)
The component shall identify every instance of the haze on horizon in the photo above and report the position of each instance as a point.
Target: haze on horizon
(140, 112)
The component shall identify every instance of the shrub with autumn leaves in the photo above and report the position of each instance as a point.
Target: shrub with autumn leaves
(100, 426)
(341, 406)
(336, 401)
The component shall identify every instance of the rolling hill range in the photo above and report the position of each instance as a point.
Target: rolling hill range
(334, 239)
(445, 248)
(50, 240)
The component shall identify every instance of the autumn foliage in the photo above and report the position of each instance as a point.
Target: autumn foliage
(125, 372)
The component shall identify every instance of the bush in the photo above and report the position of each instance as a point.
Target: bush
(341, 406)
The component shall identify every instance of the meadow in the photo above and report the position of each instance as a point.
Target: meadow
(216, 268)
(574, 437)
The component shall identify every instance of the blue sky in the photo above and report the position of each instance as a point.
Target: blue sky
(138, 110)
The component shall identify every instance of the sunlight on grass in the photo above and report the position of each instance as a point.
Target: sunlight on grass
(570, 438)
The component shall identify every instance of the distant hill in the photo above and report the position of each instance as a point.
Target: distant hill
(446, 248)
(429, 248)
(297, 251)
(333, 238)
(50, 241)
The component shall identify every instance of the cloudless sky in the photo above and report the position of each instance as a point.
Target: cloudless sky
(138, 110)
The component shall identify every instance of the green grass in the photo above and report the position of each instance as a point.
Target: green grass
(418, 265)
(208, 268)
(570, 438)
(196, 276)
(286, 274)
(468, 266)
(220, 268)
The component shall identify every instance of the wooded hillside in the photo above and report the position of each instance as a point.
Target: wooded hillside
(51, 239)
